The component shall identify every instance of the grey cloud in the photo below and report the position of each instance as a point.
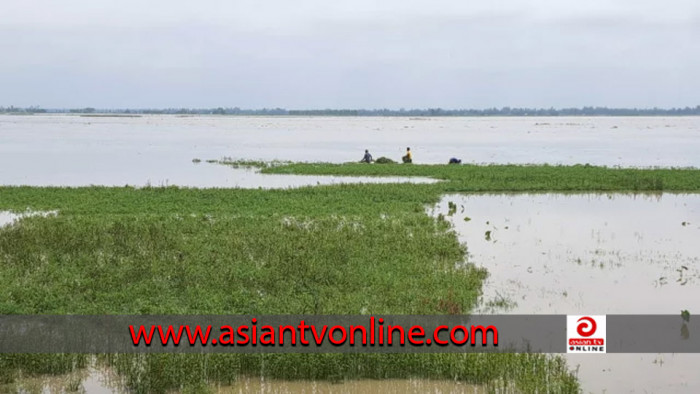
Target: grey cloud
(350, 54)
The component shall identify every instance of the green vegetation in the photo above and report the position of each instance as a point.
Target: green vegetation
(38, 364)
(685, 315)
(248, 163)
(346, 200)
(343, 249)
(334, 249)
(516, 178)
(219, 264)
(503, 372)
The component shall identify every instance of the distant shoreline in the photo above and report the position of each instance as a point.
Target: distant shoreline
(414, 113)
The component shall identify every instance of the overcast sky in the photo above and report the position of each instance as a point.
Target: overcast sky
(350, 54)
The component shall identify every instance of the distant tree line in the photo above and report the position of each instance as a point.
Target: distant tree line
(31, 110)
(505, 111)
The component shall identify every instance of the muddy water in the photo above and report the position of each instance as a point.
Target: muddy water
(102, 381)
(69, 150)
(545, 253)
(186, 173)
(590, 254)
(88, 381)
(354, 386)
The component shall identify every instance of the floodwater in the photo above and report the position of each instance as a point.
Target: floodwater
(91, 380)
(103, 381)
(8, 218)
(70, 150)
(398, 386)
(545, 253)
(590, 254)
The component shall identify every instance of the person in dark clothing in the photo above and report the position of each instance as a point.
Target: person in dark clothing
(367, 157)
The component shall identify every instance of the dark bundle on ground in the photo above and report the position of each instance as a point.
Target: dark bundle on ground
(384, 160)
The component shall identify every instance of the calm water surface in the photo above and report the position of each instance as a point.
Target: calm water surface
(591, 254)
(158, 150)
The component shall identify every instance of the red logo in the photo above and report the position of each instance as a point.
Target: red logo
(587, 327)
(586, 333)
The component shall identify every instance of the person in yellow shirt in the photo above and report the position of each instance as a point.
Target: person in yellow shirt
(408, 158)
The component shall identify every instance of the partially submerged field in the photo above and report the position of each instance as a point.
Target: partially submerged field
(346, 249)
(513, 178)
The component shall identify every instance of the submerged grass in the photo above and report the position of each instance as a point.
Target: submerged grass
(528, 373)
(11, 365)
(249, 163)
(516, 178)
(201, 264)
(343, 249)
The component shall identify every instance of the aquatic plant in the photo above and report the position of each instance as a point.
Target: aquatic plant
(240, 163)
(494, 178)
(452, 208)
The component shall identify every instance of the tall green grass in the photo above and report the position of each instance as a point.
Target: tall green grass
(345, 249)
(12, 365)
(528, 373)
(515, 178)
(200, 264)
(363, 199)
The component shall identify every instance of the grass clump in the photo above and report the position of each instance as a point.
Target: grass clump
(241, 163)
(384, 160)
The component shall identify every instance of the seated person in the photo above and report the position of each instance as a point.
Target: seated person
(408, 158)
(367, 158)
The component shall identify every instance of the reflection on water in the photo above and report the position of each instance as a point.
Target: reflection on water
(103, 381)
(74, 151)
(252, 179)
(352, 386)
(186, 174)
(90, 380)
(590, 254)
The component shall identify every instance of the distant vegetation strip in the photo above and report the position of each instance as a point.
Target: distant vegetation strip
(515, 178)
(419, 112)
